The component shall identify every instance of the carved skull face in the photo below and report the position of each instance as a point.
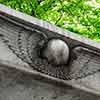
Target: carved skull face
(57, 52)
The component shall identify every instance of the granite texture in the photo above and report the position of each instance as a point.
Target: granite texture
(18, 38)
(18, 85)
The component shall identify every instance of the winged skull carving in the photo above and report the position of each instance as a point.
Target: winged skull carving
(30, 46)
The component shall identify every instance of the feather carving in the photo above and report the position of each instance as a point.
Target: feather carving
(26, 45)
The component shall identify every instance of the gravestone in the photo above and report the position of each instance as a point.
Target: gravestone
(22, 41)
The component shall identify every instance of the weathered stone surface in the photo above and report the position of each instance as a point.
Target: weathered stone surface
(84, 63)
(18, 85)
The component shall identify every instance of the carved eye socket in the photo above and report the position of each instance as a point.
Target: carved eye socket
(56, 52)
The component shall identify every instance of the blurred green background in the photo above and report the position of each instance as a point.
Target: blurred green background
(79, 16)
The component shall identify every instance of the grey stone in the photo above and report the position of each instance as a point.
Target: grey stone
(20, 41)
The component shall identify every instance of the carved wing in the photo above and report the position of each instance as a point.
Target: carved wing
(87, 63)
(16, 38)
(25, 44)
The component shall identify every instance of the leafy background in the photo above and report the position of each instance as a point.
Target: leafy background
(79, 16)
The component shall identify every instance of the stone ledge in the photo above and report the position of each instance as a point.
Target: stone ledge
(44, 26)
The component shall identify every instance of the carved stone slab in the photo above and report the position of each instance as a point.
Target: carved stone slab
(22, 37)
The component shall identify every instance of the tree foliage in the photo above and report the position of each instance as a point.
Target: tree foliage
(79, 16)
